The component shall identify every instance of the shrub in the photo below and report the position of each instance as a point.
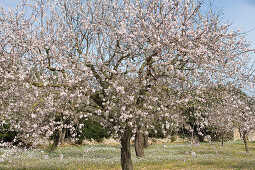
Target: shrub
(92, 130)
(173, 138)
(6, 135)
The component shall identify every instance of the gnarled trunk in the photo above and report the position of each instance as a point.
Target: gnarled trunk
(126, 161)
(139, 144)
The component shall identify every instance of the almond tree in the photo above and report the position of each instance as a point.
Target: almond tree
(243, 115)
(112, 60)
(219, 112)
(231, 108)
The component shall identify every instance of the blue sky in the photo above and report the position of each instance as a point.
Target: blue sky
(9, 3)
(241, 13)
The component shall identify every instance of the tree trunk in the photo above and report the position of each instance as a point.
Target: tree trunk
(146, 141)
(126, 161)
(222, 140)
(55, 138)
(59, 137)
(62, 134)
(52, 147)
(139, 144)
(245, 138)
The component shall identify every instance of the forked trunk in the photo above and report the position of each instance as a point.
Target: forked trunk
(139, 144)
(126, 161)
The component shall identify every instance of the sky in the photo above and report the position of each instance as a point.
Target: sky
(241, 14)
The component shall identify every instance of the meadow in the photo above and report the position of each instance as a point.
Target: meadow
(158, 156)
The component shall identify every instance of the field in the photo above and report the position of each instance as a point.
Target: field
(158, 156)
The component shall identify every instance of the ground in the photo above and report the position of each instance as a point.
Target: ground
(158, 156)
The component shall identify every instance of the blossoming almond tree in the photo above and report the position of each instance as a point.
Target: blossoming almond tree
(34, 91)
(110, 59)
(243, 116)
(224, 108)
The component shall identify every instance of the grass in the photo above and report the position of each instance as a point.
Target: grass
(158, 156)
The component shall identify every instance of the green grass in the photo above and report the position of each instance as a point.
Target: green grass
(158, 156)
